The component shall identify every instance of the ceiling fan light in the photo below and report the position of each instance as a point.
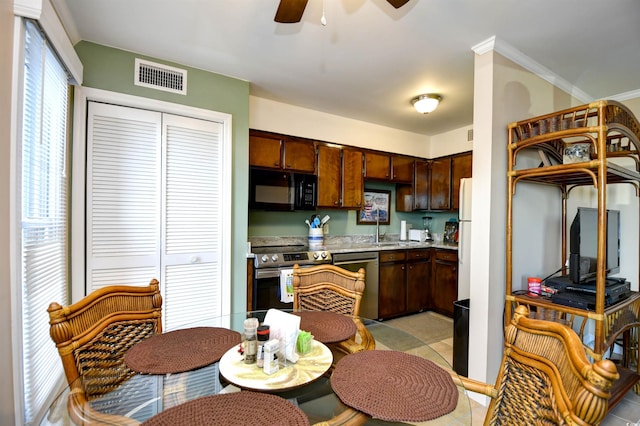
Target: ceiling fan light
(425, 104)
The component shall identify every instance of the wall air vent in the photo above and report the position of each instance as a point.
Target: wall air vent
(161, 77)
(469, 135)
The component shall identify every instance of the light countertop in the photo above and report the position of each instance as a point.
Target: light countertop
(350, 244)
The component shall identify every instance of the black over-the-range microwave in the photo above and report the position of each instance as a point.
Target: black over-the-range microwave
(281, 190)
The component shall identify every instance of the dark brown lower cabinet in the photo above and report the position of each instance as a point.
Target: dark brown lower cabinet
(444, 285)
(392, 290)
(418, 279)
(409, 281)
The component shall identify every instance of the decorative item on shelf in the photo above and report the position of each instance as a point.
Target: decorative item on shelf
(576, 153)
(426, 103)
(376, 207)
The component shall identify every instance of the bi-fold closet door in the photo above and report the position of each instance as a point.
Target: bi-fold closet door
(154, 190)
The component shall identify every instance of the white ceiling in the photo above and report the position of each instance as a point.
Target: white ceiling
(371, 59)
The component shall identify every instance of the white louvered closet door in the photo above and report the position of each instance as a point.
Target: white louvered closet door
(191, 217)
(154, 185)
(123, 195)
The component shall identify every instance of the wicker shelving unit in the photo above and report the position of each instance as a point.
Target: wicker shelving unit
(607, 131)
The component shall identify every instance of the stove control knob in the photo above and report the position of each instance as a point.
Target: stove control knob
(324, 255)
(264, 258)
(315, 255)
(274, 258)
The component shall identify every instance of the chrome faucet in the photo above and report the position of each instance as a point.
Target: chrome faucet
(377, 226)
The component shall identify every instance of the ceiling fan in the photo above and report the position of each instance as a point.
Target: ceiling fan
(290, 11)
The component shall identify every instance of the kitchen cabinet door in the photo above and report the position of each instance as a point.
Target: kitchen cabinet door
(418, 280)
(460, 169)
(392, 284)
(444, 286)
(421, 185)
(377, 166)
(299, 155)
(392, 291)
(281, 152)
(329, 176)
(265, 151)
(402, 168)
(352, 179)
(440, 195)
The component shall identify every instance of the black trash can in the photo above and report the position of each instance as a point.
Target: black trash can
(461, 337)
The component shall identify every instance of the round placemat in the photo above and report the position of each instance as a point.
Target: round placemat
(394, 386)
(232, 409)
(181, 350)
(327, 327)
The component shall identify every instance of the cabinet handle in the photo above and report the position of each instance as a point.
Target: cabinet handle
(335, 203)
(403, 267)
(289, 165)
(276, 164)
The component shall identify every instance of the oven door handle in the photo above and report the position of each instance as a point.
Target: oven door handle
(261, 274)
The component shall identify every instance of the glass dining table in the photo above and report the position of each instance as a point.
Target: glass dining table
(142, 396)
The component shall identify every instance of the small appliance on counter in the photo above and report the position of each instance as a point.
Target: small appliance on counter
(426, 224)
(418, 235)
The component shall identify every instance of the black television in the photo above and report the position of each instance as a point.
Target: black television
(583, 244)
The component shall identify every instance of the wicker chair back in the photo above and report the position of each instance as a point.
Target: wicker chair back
(546, 378)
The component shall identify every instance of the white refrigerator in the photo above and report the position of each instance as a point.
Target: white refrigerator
(464, 240)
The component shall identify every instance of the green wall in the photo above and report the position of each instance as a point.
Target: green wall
(291, 224)
(113, 70)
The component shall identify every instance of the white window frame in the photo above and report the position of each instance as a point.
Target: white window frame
(78, 187)
(43, 12)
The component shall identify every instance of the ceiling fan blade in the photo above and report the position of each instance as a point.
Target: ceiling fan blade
(398, 3)
(290, 11)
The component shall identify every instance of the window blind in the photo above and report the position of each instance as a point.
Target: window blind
(44, 196)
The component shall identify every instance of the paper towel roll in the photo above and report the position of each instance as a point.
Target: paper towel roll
(403, 230)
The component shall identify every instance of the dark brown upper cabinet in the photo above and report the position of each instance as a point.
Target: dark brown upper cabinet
(402, 168)
(281, 152)
(440, 184)
(340, 179)
(377, 166)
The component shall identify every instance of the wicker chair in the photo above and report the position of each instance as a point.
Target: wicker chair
(545, 377)
(334, 289)
(327, 288)
(92, 337)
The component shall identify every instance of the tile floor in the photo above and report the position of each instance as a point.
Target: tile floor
(436, 330)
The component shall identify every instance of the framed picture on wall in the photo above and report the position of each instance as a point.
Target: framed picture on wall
(376, 204)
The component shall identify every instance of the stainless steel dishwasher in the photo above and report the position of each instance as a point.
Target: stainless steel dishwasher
(369, 261)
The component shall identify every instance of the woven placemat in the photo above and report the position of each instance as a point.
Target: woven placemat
(181, 350)
(394, 386)
(327, 327)
(232, 409)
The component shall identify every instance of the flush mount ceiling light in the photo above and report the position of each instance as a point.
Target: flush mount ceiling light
(425, 104)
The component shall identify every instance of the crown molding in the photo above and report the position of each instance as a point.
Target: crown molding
(513, 54)
(43, 12)
(625, 96)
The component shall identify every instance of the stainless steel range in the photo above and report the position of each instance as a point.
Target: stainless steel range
(269, 264)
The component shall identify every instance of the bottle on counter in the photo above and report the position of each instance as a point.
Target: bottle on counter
(263, 337)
